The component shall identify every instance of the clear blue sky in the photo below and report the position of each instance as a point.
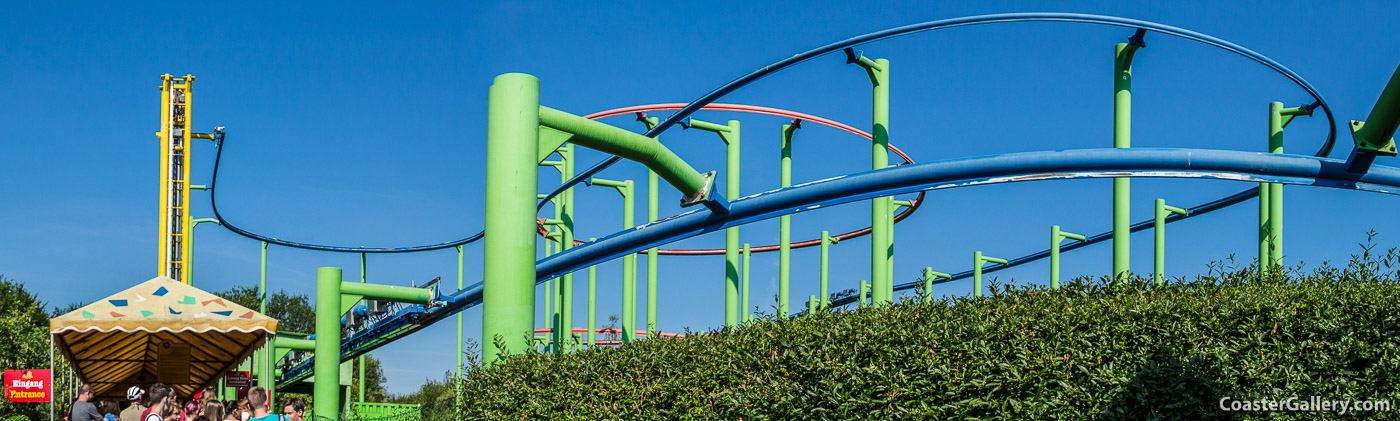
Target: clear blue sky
(356, 124)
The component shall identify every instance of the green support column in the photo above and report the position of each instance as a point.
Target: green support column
(566, 230)
(812, 304)
(331, 296)
(1056, 236)
(1374, 136)
(730, 134)
(1122, 132)
(977, 261)
(653, 214)
(889, 264)
(747, 313)
(361, 361)
(629, 261)
(1159, 228)
(264, 381)
(929, 276)
(561, 328)
(189, 266)
(550, 315)
(1275, 189)
(785, 221)
(512, 142)
(1264, 259)
(327, 363)
(460, 285)
(1271, 194)
(881, 246)
(827, 240)
(592, 302)
(864, 292)
(553, 287)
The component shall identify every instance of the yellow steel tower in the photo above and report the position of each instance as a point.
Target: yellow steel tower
(174, 175)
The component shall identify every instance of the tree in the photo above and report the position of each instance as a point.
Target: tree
(293, 312)
(71, 307)
(24, 324)
(431, 391)
(374, 381)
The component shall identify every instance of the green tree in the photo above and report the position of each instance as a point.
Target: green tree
(374, 381)
(71, 307)
(24, 326)
(293, 312)
(431, 391)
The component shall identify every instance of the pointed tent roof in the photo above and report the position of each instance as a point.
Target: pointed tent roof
(145, 335)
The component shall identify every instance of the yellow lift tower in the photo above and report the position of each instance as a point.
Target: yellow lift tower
(175, 135)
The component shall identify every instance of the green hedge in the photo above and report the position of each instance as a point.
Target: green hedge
(1087, 351)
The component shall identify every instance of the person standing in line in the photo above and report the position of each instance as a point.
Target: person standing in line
(83, 409)
(133, 411)
(231, 411)
(295, 409)
(162, 403)
(213, 411)
(257, 397)
(110, 409)
(191, 411)
(245, 409)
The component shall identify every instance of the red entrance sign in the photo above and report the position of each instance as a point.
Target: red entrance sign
(27, 385)
(237, 379)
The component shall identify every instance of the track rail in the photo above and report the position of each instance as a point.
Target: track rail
(947, 174)
(1032, 166)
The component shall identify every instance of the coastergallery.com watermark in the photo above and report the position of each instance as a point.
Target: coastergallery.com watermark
(1295, 404)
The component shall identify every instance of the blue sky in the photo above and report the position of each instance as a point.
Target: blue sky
(363, 124)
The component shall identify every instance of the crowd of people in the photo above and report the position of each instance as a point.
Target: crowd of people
(161, 404)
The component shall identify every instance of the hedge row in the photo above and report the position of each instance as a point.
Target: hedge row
(1087, 351)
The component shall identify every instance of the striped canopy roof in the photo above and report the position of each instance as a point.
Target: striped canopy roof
(145, 334)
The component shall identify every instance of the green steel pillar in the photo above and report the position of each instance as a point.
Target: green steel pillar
(189, 271)
(327, 363)
(889, 264)
(747, 313)
(1160, 238)
(827, 240)
(460, 285)
(265, 357)
(1374, 136)
(561, 288)
(977, 261)
(730, 134)
(512, 143)
(629, 261)
(362, 357)
(1276, 189)
(929, 276)
(1122, 132)
(1264, 259)
(1056, 236)
(566, 230)
(653, 214)
(551, 316)
(863, 292)
(785, 221)
(592, 302)
(881, 246)
(812, 304)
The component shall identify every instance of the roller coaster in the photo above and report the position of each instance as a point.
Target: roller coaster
(522, 135)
